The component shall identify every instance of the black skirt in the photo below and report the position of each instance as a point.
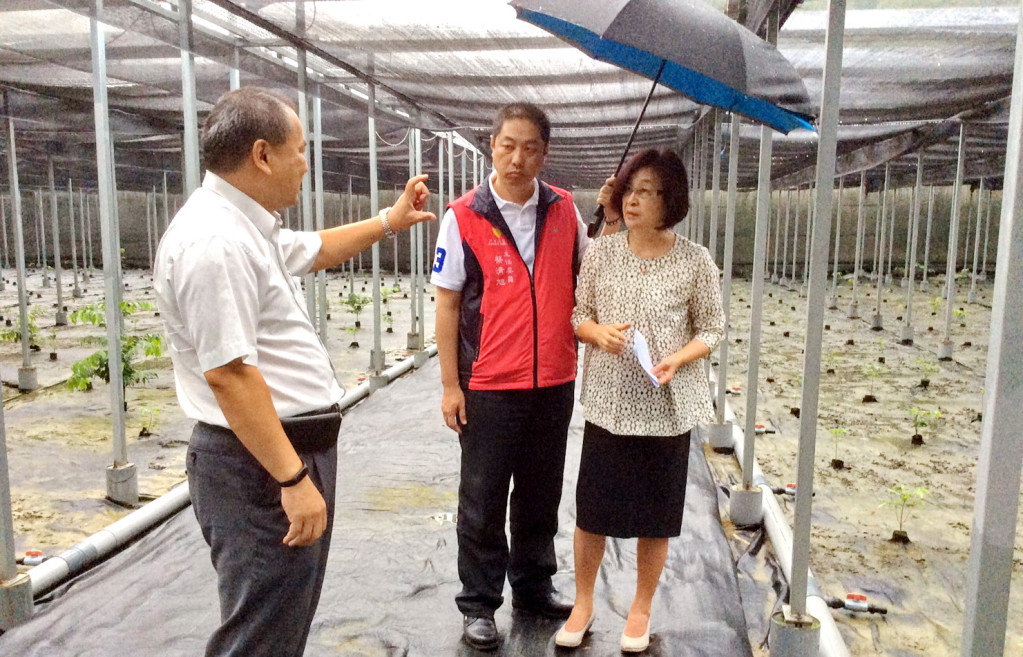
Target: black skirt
(631, 486)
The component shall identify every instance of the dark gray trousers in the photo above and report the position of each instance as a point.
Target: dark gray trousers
(268, 591)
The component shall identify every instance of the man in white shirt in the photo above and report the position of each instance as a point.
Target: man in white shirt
(507, 256)
(250, 369)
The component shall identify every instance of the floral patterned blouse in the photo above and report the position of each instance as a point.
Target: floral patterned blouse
(671, 299)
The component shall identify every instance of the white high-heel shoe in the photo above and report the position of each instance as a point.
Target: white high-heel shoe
(567, 639)
(636, 643)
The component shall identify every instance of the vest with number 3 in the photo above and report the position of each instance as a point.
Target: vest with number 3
(514, 329)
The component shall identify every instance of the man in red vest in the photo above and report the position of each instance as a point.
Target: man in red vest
(507, 256)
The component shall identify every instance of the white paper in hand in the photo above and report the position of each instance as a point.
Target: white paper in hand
(642, 351)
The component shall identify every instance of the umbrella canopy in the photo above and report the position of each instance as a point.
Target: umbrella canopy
(706, 55)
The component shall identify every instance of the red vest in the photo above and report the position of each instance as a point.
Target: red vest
(515, 330)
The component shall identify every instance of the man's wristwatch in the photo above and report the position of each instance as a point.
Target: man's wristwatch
(386, 225)
(299, 476)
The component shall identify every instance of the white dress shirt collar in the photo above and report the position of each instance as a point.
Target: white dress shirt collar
(263, 219)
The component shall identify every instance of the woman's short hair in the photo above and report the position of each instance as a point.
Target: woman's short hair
(673, 178)
(238, 120)
(527, 111)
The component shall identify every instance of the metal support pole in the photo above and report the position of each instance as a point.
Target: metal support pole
(784, 281)
(451, 167)
(701, 193)
(149, 229)
(41, 237)
(891, 237)
(972, 296)
(777, 237)
(77, 291)
(464, 157)
(27, 379)
(235, 75)
(927, 237)
(3, 231)
(809, 236)
(833, 304)
(15, 588)
(412, 337)
(907, 328)
(321, 276)
(423, 263)
(987, 235)
(757, 291)
(878, 322)
(909, 237)
(166, 204)
(190, 135)
(715, 192)
(726, 282)
(394, 251)
(377, 355)
(854, 308)
(946, 348)
(966, 233)
(60, 317)
(799, 626)
(351, 219)
(795, 240)
(996, 504)
(307, 188)
(122, 477)
(87, 231)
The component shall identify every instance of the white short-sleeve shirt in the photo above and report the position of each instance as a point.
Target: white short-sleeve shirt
(223, 292)
(449, 259)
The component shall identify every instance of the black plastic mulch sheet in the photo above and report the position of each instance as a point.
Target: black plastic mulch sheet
(392, 575)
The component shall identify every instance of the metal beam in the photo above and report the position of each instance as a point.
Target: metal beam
(993, 535)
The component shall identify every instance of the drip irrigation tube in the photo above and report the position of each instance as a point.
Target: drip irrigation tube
(778, 530)
(82, 556)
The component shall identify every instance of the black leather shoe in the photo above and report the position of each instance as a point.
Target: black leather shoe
(480, 632)
(548, 606)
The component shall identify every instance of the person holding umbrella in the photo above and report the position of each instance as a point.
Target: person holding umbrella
(646, 289)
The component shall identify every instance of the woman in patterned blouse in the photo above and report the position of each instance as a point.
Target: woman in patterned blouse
(647, 281)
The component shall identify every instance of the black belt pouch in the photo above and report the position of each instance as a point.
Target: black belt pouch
(315, 431)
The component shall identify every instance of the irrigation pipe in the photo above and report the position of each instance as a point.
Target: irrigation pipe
(97, 547)
(778, 530)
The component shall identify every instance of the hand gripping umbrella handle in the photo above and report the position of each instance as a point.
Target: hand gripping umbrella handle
(597, 225)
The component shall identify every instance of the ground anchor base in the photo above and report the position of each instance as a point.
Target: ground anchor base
(746, 506)
(123, 484)
(793, 637)
(15, 601)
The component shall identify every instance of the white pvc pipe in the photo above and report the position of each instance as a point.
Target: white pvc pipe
(778, 531)
(82, 556)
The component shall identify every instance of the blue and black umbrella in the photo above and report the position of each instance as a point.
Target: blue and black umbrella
(686, 45)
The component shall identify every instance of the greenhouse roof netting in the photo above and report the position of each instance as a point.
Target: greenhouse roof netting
(911, 77)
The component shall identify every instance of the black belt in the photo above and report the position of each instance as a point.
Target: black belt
(314, 431)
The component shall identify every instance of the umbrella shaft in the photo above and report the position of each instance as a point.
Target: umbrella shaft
(639, 119)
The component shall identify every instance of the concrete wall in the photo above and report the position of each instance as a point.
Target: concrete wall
(134, 235)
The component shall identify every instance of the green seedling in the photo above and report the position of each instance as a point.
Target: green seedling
(356, 303)
(928, 368)
(150, 419)
(13, 334)
(901, 498)
(920, 417)
(836, 434)
(134, 348)
(873, 370)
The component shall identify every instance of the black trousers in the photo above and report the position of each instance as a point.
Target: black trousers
(513, 438)
(268, 591)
